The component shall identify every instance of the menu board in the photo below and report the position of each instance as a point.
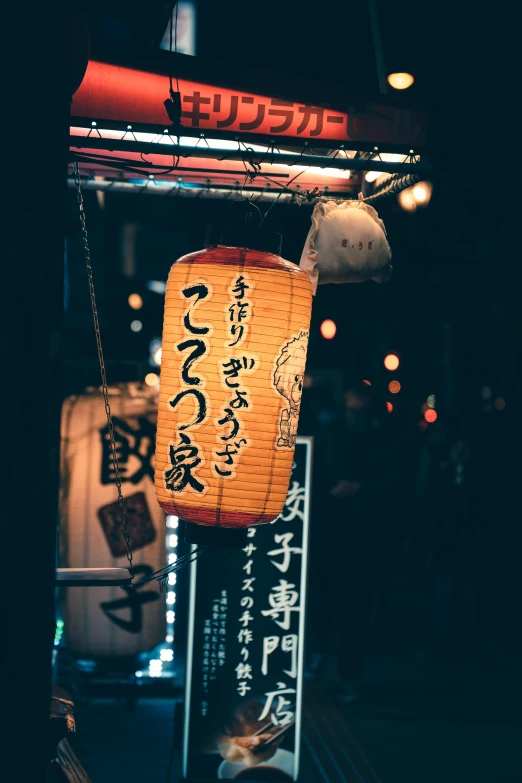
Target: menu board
(245, 648)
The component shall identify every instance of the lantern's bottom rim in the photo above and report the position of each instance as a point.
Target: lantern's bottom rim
(204, 535)
(214, 517)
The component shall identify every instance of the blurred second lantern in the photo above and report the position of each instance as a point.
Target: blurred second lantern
(235, 337)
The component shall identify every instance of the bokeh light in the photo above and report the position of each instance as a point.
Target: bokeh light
(500, 403)
(391, 361)
(406, 200)
(388, 157)
(400, 80)
(136, 326)
(430, 415)
(157, 356)
(151, 379)
(394, 387)
(328, 329)
(422, 193)
(389, 407)
(486, 393)
(135, 301)
(431, 401)
(422, 425)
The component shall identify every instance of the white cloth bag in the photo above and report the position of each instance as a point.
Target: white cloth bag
(346, 244)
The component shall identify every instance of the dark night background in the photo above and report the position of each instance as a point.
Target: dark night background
(442, 687)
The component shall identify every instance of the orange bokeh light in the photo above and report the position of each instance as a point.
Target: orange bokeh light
(500, 403)
(401, 80)
(391, 361)
(328, 329)
(389, 407)
(430, 415)
(394, 387)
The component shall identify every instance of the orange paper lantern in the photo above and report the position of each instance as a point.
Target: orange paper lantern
(235, 336)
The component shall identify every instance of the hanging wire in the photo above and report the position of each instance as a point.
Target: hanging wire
(248, 157)
(87, 253)
(175, 44)
(162, 574)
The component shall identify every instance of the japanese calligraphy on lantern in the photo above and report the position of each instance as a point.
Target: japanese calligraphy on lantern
(105, 621)
(235, 335)
(184, 453)
(252, 687)
(126, 95)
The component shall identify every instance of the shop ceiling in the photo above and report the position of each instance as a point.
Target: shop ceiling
(239, 126)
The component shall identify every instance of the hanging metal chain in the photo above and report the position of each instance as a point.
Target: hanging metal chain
(87, 253)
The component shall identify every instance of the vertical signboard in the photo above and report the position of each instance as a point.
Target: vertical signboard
(245, 648)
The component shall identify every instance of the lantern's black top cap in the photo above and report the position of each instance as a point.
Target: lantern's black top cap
(240, 236)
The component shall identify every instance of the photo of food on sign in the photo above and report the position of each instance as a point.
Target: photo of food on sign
(243, 696)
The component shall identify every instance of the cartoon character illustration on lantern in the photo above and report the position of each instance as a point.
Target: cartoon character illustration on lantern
(288, 380)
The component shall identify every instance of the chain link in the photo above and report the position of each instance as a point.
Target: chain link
(123, 515)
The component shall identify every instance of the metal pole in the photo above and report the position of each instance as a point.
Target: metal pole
(320, 161)
(377, 47)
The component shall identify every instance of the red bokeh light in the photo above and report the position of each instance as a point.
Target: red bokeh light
(430, 415)
(328, 329)
(389, 407)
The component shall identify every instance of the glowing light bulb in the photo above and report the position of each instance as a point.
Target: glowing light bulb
(173, 540)
(328, 329)
(151, 379)
(394, 387)
(430, 415)
(391, 361)
(172, 521)
(400, 80)
(135, 301)
(422, 193)
(419, 194)
(371, 176)
(406, 200)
